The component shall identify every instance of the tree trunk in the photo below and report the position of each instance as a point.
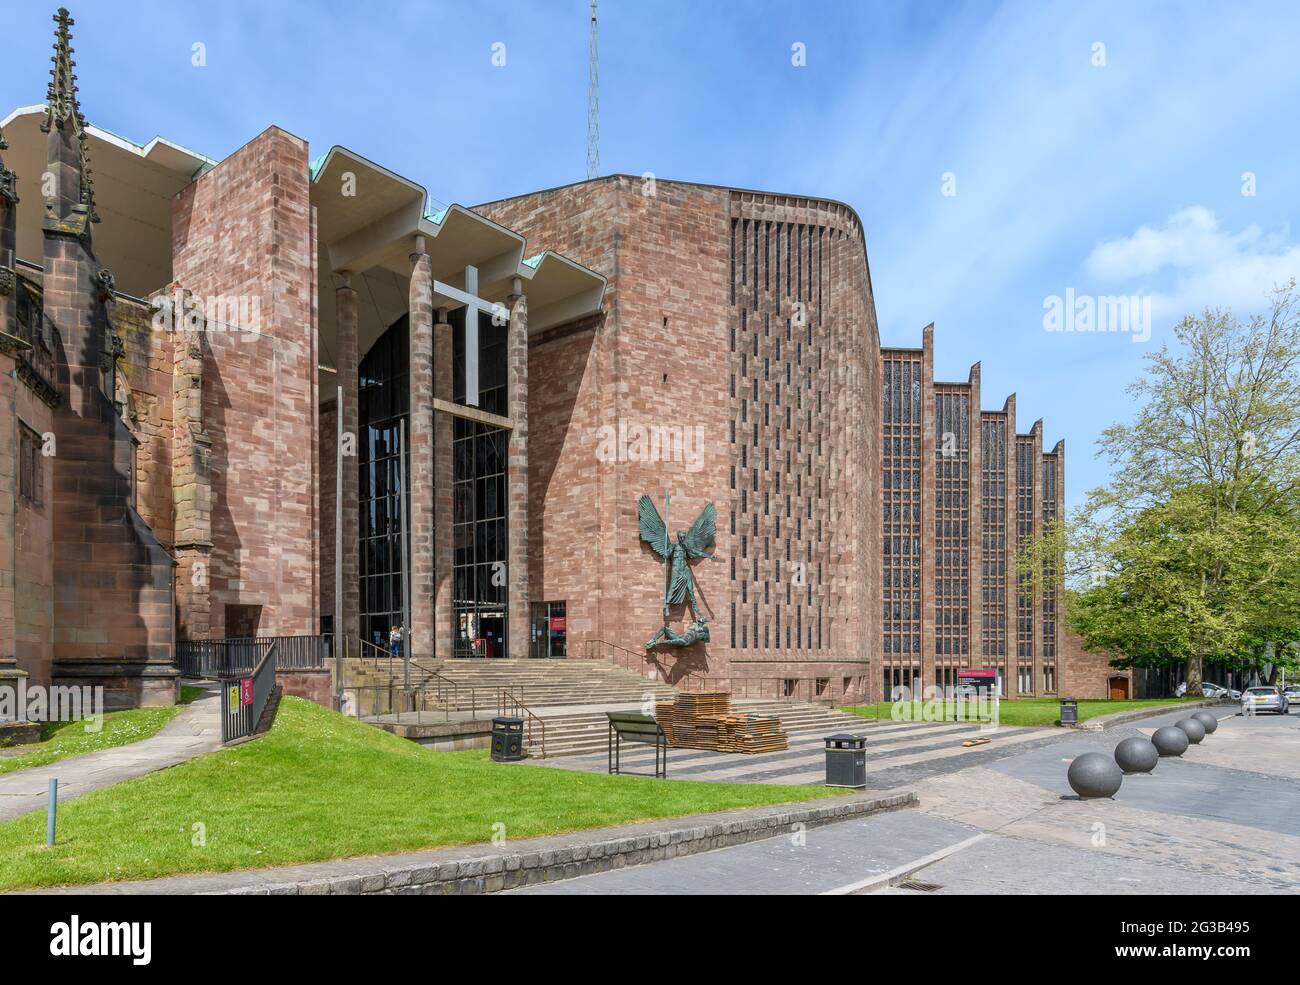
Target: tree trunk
(1194, 672)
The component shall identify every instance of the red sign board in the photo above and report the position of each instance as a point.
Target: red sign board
(246, 691)
(978, 678)
(558, 624)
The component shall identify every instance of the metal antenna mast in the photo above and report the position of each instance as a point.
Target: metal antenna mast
(593, 104)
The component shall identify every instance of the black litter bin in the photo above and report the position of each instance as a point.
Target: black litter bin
(846, 761)
(1069, 711)
(507, 740)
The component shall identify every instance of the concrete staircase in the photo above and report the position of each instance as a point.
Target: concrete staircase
(577, 733)
(571, 697)
(543, 683)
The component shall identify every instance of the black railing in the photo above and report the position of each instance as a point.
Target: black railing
(244, 697)
(211, 658)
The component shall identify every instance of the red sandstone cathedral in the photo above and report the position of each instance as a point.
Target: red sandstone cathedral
(198, 355)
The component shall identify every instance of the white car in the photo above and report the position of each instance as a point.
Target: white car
(1210, 691)
(1265, 698)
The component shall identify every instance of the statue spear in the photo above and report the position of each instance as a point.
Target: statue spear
(668, 559)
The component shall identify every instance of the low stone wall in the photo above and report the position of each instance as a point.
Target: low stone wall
(445, 736)
(1104, 722)
(19, 733)
(313, 684)
(477, 869)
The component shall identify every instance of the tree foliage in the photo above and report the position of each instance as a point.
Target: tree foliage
(1191, 553)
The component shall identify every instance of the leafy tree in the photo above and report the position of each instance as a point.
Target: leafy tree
(1187, 581)
(1191, 553)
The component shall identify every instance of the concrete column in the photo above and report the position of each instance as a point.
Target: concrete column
(347, 358)
(420, 441)
(519, 597)
(444, 542)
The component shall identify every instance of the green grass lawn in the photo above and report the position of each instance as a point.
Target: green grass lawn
(1025, 711)
(322, 786)
(63, 740)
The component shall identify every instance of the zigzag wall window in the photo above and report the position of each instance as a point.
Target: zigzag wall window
(993, 535)
(1048, 661)
(951, 532)
(1025, 529)
(901, 517)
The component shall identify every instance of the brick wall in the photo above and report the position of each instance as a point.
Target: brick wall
(113, 611)
(1088, 674)
(245, 233)
(662, 356)
(26, 534)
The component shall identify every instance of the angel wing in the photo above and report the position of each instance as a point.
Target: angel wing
(653, 531)
(702, 532)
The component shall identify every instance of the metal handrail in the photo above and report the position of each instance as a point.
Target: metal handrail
(242, 721)
(615, 651)
(444, 682)
(408, 696)
(740, 687)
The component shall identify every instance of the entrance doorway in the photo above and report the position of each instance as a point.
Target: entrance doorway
(1118, 689)
(550, 630)
(480, 634)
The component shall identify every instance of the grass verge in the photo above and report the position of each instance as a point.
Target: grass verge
(321, 786)
(63, 740)
(1020, 712)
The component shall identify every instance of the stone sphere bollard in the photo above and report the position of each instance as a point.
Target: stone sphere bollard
(1170, 741)
(1094, 775)
(1207, 720)
(1137, 754)
(1194, 729)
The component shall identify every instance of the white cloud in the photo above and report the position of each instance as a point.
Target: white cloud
(1191, 262)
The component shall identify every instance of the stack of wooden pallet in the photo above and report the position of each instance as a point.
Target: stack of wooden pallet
(704, 721)
(664, 716)
(751, 733)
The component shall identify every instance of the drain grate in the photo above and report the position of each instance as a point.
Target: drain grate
(919, 887)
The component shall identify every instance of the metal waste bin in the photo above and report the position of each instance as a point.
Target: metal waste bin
(1069, 711)
(507, 740)
(846, 761)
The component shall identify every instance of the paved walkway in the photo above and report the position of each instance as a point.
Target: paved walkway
(1223, 819)
(196, 730)
(894, 752)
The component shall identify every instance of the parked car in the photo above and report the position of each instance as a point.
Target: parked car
(1292, 693)
(1210, 691)
(1265, 698)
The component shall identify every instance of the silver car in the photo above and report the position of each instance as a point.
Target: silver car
(1257, 699)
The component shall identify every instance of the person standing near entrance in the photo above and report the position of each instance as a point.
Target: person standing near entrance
(395, 641)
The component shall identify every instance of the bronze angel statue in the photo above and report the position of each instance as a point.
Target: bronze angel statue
(679, 582)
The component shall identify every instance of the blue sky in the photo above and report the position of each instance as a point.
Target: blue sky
(1123, 178)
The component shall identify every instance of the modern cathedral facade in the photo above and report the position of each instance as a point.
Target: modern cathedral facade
(207, 363)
